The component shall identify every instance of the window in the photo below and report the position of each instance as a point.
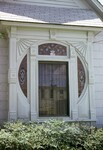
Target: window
(54, 76)
(53, 79)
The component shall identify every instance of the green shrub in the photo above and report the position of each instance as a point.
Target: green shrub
(51, 135)
(95, 140)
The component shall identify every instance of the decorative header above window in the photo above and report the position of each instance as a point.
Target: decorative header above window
(52, 49)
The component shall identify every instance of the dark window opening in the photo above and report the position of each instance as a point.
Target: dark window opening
(53, 79)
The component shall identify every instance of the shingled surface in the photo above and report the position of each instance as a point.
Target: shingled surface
(49, 15)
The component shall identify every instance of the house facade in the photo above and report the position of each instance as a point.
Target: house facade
(51, 60)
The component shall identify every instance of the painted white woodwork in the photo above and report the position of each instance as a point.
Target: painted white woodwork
(53, 34)
(44, 33)
(23, 103)
(81, 49)
(22, 107)
(99, 38)
(83, 100)
(23, 46)
(50, 58)
(73, 84)
(98, 74)
(83, 107)
(12, 76)
(33, 80)
(77, 41)
(91, 76)
(27, 37)
(3, 80)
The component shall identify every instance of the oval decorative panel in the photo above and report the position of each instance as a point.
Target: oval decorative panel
(22, 75)
(81, 77)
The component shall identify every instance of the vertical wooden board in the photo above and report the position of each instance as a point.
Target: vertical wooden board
(3, 80)
(98, 71)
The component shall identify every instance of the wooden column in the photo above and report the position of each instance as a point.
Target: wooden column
(33, 81)
(92, 109)
(12, 76)
(73, 84)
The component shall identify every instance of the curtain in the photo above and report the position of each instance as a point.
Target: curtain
(53, 89)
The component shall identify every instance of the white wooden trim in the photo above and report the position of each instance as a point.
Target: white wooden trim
(12, 115)
(33, 97)
(51, 26)
(73, 84)
(34, 60)
(91, 76)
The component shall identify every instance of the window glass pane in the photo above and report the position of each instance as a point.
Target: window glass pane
(52, 49)
(22, 75)
(81, 77)
(53, 89)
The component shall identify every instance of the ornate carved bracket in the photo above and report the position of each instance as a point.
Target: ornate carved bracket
(80, 48)
(23, 45)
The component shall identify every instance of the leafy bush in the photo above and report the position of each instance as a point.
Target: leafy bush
(95, 140)
(51, 135)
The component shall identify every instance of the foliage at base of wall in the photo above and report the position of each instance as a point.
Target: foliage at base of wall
(51, 135)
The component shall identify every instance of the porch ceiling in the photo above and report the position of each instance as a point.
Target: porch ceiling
(49, 15)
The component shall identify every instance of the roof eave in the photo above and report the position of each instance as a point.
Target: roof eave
(52, 26)
(95, 4)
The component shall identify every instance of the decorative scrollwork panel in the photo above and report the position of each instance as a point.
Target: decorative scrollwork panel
(52, 49)
(22, 75)
(81, 77)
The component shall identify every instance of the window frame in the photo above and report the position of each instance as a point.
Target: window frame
(50, 58)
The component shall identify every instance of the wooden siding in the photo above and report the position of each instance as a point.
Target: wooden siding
(3, 80)
(98, 72)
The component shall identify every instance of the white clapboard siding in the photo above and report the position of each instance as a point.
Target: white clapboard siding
(3, 80)
(98, 74)
(56, 3)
